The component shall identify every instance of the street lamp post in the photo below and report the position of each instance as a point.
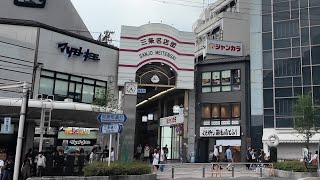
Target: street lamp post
(25, 87)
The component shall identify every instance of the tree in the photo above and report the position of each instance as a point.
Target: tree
(304, 114)
(104, 99)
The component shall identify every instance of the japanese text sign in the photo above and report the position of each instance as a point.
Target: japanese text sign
(224, 48)
(219, 131)
(72, 51)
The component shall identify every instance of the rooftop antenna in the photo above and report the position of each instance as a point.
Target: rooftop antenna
(106, 37)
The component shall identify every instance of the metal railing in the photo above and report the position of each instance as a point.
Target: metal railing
(204, 170)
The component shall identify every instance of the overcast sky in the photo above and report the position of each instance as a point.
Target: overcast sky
(101, 15)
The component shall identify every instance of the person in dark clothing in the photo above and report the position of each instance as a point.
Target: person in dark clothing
(105, 153)
(248, 157)
(81, 158)
(59, 163)
(8, 169)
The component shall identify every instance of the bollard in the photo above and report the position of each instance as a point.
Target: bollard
(203, 171)
(260, 171)
(172, 175)
(232, 170)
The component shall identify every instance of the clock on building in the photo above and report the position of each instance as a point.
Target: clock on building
(131, 88)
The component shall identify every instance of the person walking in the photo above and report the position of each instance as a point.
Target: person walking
(162, 159)
(112, 154)
(8, 169)
(155, 161)
(105, 154)
(1, 166)
(41, 164)
(146, 152)
(229, 158)
(248, 157)
(26, 169)
(139, 151)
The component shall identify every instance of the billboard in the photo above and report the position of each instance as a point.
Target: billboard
(155, 42)
(224, 48)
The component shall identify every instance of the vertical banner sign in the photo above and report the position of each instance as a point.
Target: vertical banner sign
(7, 124)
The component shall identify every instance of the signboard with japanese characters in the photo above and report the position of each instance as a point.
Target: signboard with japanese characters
(224, 48)
(171, 120)
(77, 51)
(219, 131)
(156, 43)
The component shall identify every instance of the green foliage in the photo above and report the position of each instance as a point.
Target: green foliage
(295, 166)
(116, 168)
(104, 99)
(304, 113)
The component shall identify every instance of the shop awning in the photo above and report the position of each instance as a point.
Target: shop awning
(292, 137)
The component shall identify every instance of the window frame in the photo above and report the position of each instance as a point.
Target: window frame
(232, 120)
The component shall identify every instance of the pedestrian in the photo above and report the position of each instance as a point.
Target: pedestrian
(41, 164)
(59, 162)
(314, 159)
(155, 161)
(8, 169)
(248, 157)
(1, 168)
(139, 151)
(112, 154)
(105, 154)
(26, 169)
(146, 152)
(229, 158)
(81, 161)
(162, 159)
(216, 157)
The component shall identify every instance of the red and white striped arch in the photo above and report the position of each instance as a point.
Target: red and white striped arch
(155, 42)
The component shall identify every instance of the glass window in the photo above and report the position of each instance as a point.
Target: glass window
(236, 110)
(101, 83)
(315, 35)
(206, 89)
(295, 52)
(283, 92)
(283, 82)
(284, 106)
(47, 73)
(304, 3)
(305, 55)
(284, 122)
(285, 29)
(267, 24)
(88, 81)
(294, 14)
(297, 81)
(226, 88)
(216, 111)
(295, 42)
(206, 77)
(215, 78)
(282, 53)
(206, 111)
(236, 79)
(268, 112)
(314, 16)
(297, 91)
(71, 87)
(267, 41)
(287, 67)
(61, 87)
(281, 6)
(75, 78)
(226, 77)
(282, 43)
(216, 89)
(268, 98)
(284, 15)
(46, 86)
(225, 111)
(305, 36)
(294, 4)
(304, 17)
(267, 78)
(267, 8)
(314, 3)
(62, 76)
(306, 76)
(268, 122)
(315, 54)
(315, 75)
(316, 93)
(87, 93)
(267, 59)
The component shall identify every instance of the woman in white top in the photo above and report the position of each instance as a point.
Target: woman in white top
(112, 155)
(155, 162)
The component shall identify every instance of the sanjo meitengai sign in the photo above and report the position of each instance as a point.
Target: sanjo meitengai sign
(219, 131)
(155, 42)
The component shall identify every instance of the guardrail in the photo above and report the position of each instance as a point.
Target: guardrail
(204, 170)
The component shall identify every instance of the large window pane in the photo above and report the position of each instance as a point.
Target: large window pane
(306, 76)
(284, 15)
(281, 6)
(305, 55)
(205, 111)
(315, 54)
(47, 73)
(316, 93)
(282, 43)
(61, 87)
(206, 89)
(225, 111)
(283, 92)
(304, 16)
(216, 111)
(226, 77)
(267, 6)
(314, 3)
(268, 122)
(236, 110)
(315, 75)
(284, 122)
(87, 93)
(285, 29)
(267, 59)
(283, 82)
(267, 78)
(206, 77)
(267, 24)
(215, 78)
(287, 67)
(305, 36)
(282, 53)
(315, 34)
(268, 98)
(314, 16)
(267, 41)
(284, 106)
(46, 86)
(304, 3)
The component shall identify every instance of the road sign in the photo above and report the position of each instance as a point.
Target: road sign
(110, 128)
(142, 91)
(111, 118)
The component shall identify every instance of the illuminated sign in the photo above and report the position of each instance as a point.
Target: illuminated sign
(77, 131)
(30, 3)
(219, 131)
(171, 120)
(224, 48)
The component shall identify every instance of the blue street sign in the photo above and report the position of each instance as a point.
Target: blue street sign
(111, 118)
(110, 128)
(142, 91)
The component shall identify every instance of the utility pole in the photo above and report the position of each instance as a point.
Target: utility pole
(25, 88)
